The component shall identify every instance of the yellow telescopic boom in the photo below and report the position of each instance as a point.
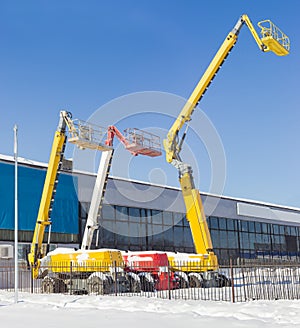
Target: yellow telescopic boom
(49, 190)
(272, 40)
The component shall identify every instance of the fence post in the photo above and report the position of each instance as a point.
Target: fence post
(116, 277)
(169, 285)
(232, 281)
(71, 278)
(31, 279)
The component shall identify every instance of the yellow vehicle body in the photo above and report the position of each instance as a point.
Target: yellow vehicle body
(98, 271)
(101, 260)
(193, 262)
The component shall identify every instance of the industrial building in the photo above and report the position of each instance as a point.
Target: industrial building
(142, 216)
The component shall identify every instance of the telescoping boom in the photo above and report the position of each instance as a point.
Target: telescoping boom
(137, 142)
(272, 39)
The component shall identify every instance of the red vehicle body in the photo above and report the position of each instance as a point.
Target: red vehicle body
(153, 269)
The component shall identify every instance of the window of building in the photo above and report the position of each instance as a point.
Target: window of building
(168, 237)
(214, 222)
(257, 227)
(24, 249)
(258, 239)
(293, 231)
(266, 239)
(244, 226)
(231, 224)
(168, 218)
(215, 236)
(244, 240)
(145, 216)
(276, 243)
(188, 239)
(275, 229)
(157, 217)
(158, 241)
(223, 254)
(186, 222)
(109, 225)
(178, 218)
(252, 241)
(265, 228)
(281, 229)
(84, 209)
(108, 212)
(108, 238)
(122, 236)
(121, 213)
(134, 229)
(222, 224)
(251, 226)
(291, 244)
(178, 236)
(232, 239)
(223, 239)
(134, 214)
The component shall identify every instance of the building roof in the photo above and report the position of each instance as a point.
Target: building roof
(33, 163)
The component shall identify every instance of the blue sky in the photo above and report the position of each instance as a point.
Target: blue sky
(80, 55)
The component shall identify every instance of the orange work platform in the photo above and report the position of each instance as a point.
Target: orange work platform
(142, 142)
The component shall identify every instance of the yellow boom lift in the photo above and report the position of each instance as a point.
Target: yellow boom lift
(205, 261)
(57, 268)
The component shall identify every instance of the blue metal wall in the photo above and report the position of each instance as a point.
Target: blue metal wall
(31, 182)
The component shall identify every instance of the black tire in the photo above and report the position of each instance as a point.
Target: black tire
(98, 286)
(224, 281)
(183, 283)
(134, 285)
(195, 282)
(53, 285)
(47, 286)
(146, 285)
(60, 286)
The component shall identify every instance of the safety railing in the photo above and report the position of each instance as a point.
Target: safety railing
(270, 33)
(87, 135)
(142, 142)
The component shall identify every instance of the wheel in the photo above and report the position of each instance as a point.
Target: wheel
(53, 285)
(98, 286)
(195, 281)
(60, 286)
(224, 281)
(146, 285)
(47, 286)
(183, 283)
(134, 285)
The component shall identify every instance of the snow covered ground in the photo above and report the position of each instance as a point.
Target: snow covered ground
(61, 311)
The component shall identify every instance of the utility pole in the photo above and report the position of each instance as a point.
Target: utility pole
(16, 211)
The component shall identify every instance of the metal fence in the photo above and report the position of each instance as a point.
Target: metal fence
(232, 283)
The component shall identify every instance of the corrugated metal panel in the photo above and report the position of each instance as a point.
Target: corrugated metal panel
(265, 212)
(31, 181)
